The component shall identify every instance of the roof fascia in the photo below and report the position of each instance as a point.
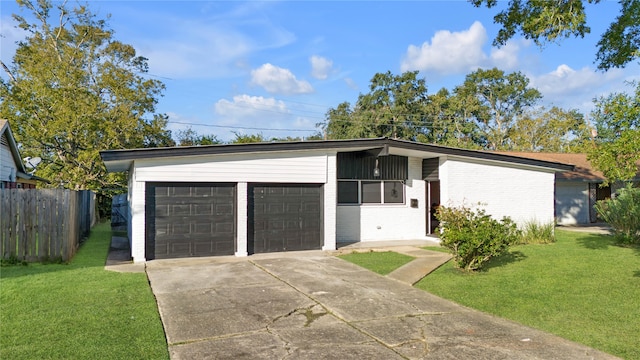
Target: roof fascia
(125, 158)
(13, 147)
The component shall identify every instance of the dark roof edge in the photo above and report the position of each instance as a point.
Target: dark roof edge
(150, 153)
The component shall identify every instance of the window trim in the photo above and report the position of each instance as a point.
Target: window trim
(382, 186)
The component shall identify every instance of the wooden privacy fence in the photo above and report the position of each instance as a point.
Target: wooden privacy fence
(40, 224)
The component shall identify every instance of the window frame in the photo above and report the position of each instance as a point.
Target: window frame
(381, 193)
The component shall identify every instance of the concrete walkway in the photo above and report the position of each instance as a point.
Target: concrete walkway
(119, 258)
(425, 261)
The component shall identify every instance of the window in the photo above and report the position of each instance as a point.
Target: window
(347, 192)
(393, 192)
(370, 192)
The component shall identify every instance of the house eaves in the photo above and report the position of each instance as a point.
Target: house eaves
(121, 160)
(5, 130)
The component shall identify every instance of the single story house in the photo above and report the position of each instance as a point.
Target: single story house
(13, 174)
(266, 197)
(576, 191)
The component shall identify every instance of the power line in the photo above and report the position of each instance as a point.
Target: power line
(240, 127)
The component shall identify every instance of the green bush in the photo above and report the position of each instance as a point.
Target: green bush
(622, 213)
(473, 236)
(534, 232)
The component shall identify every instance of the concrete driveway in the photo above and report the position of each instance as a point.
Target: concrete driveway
(310, 305)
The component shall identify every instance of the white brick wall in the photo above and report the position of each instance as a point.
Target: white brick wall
(330, 202)
(521, 193)
(137, 211)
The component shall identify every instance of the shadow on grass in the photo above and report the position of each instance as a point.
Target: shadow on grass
(596, 241)
(506, 259)
(91, 253)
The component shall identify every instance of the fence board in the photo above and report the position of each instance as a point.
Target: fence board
(5, 213)
(43, 235)
(43, 223)
(13, 249)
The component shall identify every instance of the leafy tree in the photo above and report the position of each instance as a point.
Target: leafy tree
(340, 123)
(394, 107)
(620, 44)
(248, 138)
(495, 100)
(74, 90)
(550, 21)
(553, 130)
(190, 137)
(448, 123)
(155, 132)
(616, 147)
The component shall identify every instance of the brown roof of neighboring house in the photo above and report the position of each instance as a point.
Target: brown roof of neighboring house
(583, 170)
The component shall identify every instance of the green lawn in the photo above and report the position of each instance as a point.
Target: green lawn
(379, 262)
(79, 310)
(583, 288)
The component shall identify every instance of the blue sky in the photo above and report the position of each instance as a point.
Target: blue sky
(276, 67)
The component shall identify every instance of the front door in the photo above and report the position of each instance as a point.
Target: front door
(433, 201)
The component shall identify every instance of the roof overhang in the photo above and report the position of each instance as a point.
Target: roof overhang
(122, 160)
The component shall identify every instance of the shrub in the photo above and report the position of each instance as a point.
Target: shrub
(534, 232)
(473, 236)
(622, 213)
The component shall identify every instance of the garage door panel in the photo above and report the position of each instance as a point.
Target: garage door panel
(285, 217)
(190, 219)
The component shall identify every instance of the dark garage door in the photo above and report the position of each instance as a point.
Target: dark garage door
(285, 217)
(190, 219)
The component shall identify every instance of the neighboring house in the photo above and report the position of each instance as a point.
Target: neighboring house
(577, 191)
(267, 197)
(12, 170)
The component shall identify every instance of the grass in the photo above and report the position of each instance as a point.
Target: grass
(538, 233)
(436, 248)
(583, 288)
(79, 310)
(380, 262)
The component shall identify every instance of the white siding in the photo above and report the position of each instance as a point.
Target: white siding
(7, 165)
(524, 194)
(274, 167)
(572, 203)
(387, 222)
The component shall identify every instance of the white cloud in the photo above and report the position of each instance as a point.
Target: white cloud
(320, 67)
(204, 46)
(448, 52)
(565, 86)
(278, 80)
(249, 107)
(461, 52)
(506, 57)
(350, 83)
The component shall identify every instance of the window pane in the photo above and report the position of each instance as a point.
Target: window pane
(371, 192)
(347, 192)
(393, 192)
